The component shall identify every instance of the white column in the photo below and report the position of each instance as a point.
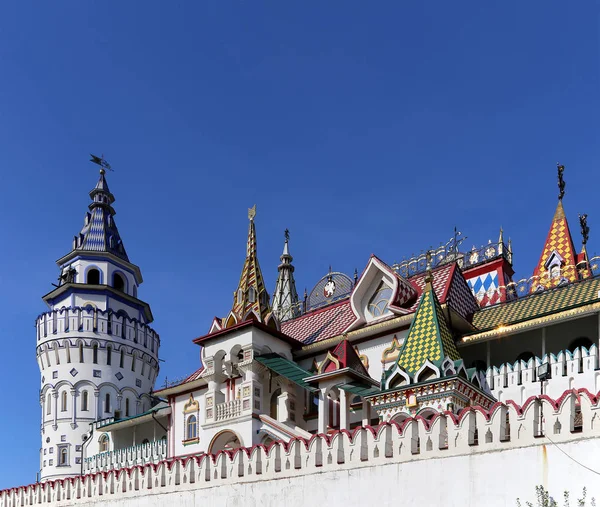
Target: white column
(366, 413)
(97, 404)
(55, 396)
(323, 411)
(344, 415)
(74, 404)
(543, 342)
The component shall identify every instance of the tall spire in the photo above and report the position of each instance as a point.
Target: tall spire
(285, 297)
(99, 232)
(251, 299)
(558, 262)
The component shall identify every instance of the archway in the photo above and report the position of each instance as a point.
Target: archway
(226, 440)
(274, 405)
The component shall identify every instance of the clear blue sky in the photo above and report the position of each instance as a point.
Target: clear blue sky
(363, 127)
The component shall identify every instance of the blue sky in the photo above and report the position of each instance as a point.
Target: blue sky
(363, 127)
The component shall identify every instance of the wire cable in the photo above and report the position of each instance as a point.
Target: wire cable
(571, 457)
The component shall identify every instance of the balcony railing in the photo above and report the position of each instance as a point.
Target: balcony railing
(228, 410)
(151, 452)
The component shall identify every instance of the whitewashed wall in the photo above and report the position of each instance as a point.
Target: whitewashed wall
(470, 461)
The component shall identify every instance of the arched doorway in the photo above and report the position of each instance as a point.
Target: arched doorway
(274, 406)
(226, 440)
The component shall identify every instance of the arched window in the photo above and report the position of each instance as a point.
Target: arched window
(103, 443)
(580, 342)
(378, 305)
(251, 295)
(274, 408)
(525, 356)
(118, 282)
(84, 401)
(49, 404)
(63, 401)
(64, 456)
(108, 355)
(93, 277)
(133, 362)
(81, 352)
(95, 353)
(126, 407)
(107, 402)
(122, 359)
(191, 427)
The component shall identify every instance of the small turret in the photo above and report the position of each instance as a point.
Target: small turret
(285, 297)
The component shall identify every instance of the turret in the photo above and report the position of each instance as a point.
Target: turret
(285, 297)
(97, 354)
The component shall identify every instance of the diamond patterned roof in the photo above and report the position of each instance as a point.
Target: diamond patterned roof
(559, 240)
(428, 337)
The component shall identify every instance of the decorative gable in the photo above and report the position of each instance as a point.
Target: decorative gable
(380, 292)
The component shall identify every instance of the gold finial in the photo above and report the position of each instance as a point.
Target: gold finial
(252, 212)
(561, 181)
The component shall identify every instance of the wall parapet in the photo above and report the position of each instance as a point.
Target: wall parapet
(74, 320)
(573, 416)
(569, 370)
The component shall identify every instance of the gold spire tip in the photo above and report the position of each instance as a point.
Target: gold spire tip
(252, 212)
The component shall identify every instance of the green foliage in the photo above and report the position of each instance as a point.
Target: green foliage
(545, 500)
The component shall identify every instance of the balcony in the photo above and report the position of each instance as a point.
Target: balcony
(228, 410)
(152, 452)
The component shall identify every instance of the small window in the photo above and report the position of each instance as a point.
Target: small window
(84, 401)
(49, 405)
(64, 457)
(108, 355)
(192, 427)
(107, 402)
(126, 407)
(103, 443)
(81, 352)
(63, 401)
(122, 360)
(118, 282)
(240, 296)
(93, 277)
(378, 305)
(95, 354)
(133, 362)
(251, 295)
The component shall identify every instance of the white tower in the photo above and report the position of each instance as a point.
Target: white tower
(97, 355)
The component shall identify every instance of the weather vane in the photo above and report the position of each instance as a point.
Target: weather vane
(561, 181)
(585, 230)
(286, 233)
(101, 162)
(252, 212)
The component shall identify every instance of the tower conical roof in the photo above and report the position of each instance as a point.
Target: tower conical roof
(251, 295)
(429, 337)
(558, 242)
(285, 297)
(100, 233)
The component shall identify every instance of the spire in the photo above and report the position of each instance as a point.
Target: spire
(251, 295)
(100, 233)
(285, 297)
(429, 337)
(558, 261)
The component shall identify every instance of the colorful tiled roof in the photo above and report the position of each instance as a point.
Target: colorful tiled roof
(559, 240)
(537, 305)
(320, 324)
(100, 233)
(429, 337)
(333, 320)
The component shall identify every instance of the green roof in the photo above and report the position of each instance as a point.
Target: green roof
(287, 369)
(537, 305)
(360, 389)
